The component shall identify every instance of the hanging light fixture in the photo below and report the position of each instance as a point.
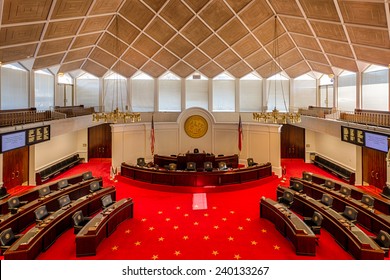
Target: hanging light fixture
(116, 115)
(275, 116)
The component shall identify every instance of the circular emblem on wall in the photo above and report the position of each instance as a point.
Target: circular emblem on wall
(196, 126)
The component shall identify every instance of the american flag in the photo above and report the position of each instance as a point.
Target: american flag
(152, 137)
(239, 134)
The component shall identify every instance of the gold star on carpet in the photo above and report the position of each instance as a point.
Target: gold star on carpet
(206, 237)
(175, 227)
(276, 247)
(177, 253)
(186, 215)
(128, 231)
(240, 228)
(143, 220)
(253, 242)
(215, 253)
(231, 238)
(161, 239)
(232, 212)
(264, 231)
(237, 257)
(138, 243)
(185, 237)
(178, 207)
(151, 228)
(155, 257)
(206, 215)
(167, 219)
(248, 219)
(160, 212)
(214, 208)
(196, 224)
(224, 219)
(216, 227)
(115, 248)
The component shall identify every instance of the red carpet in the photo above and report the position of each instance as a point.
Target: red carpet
(166, 227)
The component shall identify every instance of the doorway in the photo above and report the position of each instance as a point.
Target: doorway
(99, 141)
(292, 142)
(374, 167)
(15, 167)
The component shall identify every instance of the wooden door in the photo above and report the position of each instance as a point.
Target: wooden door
(374, 167)
(99, 141)
(15, 168)
(292, 142)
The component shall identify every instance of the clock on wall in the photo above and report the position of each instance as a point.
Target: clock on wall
(196, 126)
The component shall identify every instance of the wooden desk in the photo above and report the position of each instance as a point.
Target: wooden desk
(101, 226)
(199, 158)
(25, 215)
(40, 237)
(290, 225)
(370, 218)
(381, 204)
(349, 236)
(196, 179)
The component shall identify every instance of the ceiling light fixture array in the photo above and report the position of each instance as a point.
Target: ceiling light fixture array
(275, 116)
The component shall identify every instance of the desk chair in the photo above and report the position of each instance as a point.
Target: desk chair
(208, 166)
(314, 222)
(327, 200)
(196, 151)
(44, 191)
(106, 201)
(287, 199)
(141, 162)
(62, 184)
(307, 176)
(250, 162)
(79, 221)
(386, 192)
(14, 204)
(94, 186)
(350, 214)
(7, 238)
(329, 184)
(345, 191)
(40, 214)
(222, 165)
(368, 200)
(64, 201)
(172, 166)
(191, 166)
(383, 240)
(296, 186)
(87, 175)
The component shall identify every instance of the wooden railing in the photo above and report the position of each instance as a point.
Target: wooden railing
(319, 112)
(24, 116)
(74, 111)
(368, 117)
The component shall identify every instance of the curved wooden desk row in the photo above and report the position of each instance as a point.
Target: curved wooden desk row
(349, 236)
(33, 194)
(196, 179)
(101, 226)
(381, 203)
(25, 215)
(290, 225)
(40, 237)
(370, 218)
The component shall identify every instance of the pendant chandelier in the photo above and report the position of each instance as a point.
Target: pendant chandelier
(275, 116)
(117, 89)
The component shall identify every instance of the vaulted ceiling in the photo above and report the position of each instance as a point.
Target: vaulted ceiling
(204, 36)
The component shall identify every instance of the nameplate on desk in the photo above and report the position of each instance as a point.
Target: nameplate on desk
(91, 229)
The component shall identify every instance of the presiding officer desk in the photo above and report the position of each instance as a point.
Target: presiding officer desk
(40, 237)
(368, 217)
(290, 225)
(348, 235)
(102, 225)
(196, 178)
(25, 215)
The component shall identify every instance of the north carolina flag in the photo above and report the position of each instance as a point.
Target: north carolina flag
(152, 137)
(239, 134)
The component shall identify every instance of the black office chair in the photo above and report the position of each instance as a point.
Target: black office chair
(196, 151)
(94, 186)
(107, 201)
(329, 184)
(250, 162)
(79, 221)
(368, 200)
(287, 199)
(222, 165)
(62, 184)
(172, 166)
(314, 222)
(14, 204)
(386, 192)
(345, 191)
(41, 213)
(350, 214)
(327, 200)
(64, 201)
(141, 162)
(296, 186)
(44, 191)
(307, 176)
(191, 166)
(87, 175)
(208, 166)
(7, 238)
(383, 240)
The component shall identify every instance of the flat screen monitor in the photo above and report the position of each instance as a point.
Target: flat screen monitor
(14, 140)
(376, 141)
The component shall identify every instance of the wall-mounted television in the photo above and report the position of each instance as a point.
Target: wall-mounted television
(376, 141)
(13, 140)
